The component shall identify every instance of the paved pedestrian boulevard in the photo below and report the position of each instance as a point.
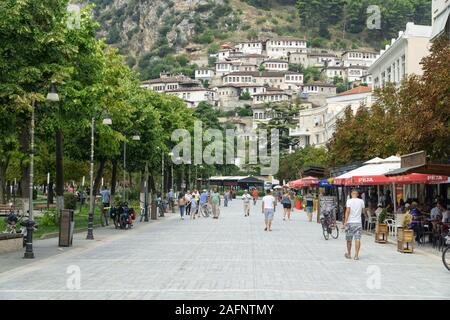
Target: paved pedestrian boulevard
(229, 258)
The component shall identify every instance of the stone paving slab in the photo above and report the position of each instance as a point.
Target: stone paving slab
(229, 258)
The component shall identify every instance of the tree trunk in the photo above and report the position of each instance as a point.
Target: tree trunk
(50, 192)
(59, 170)
(151, 183)
(114, 177)
(98, 176)
(2, 183)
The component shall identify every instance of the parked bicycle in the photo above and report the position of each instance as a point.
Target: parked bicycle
(329, 225)
(446, 253)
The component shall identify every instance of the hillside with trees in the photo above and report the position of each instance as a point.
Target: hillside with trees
(167, 35)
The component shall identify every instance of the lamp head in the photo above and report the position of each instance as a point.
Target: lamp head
(107, 120)
(52, 95)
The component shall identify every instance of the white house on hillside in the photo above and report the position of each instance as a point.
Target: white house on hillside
(250, 47)
(275, 65)
(205, 74)
(280, 47)
(358, 58)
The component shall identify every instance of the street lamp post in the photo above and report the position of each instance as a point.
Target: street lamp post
(90, 235)
(29, 254)
(171, 176)
(146, 193)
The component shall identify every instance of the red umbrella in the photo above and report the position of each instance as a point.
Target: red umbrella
(305, 182)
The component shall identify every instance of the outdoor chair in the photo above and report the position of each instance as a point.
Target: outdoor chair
(370, 220)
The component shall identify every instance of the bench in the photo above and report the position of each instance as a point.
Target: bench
(10, 242)
(5, 209)
(40, 207)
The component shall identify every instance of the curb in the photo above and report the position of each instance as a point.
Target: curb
(56, 234)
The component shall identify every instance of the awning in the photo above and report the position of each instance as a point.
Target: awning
(325, 183)
(371, 173)
(433, 169)
(418, 178)
(439, 23)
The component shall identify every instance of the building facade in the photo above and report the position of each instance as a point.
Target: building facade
(402, 57)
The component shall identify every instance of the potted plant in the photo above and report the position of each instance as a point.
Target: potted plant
(381, 228)
(405, 236)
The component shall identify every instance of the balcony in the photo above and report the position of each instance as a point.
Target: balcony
(298, 132)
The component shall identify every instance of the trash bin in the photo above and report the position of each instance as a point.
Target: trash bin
(66, 227)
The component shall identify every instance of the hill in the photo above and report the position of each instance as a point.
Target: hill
(158, 35)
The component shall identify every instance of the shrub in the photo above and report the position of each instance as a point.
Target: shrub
(70, 200)
(245, 96)
(49, 218)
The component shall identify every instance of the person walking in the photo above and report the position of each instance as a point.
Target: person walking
(226, 197)
(246, 200)
(106, 203)
(215, 203)
(171, 199)
(268, 208)
(203, 203)
(287, 205)
(188, 198)
(182, 204)
(194, 207)
(353, 223)
(255, 196)
(309, 205)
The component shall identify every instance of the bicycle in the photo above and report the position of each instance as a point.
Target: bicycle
(205, 210)
(446, 253)
(329, 226)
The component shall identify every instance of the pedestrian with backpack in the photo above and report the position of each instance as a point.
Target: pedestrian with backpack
(287, 205)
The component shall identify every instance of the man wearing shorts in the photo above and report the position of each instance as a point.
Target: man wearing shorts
(268, 208)
(246, 200)
(353, 223)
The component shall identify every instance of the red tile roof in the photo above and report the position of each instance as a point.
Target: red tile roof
(361, 89)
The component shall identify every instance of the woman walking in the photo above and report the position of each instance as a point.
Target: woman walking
(181, 204)
(287, 205)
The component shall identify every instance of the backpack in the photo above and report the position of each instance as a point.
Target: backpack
(215, 198)
(285, 200)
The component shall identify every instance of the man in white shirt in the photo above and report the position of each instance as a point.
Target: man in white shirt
(268, 208)
(246, 198)
(353, 223)
(436, 212)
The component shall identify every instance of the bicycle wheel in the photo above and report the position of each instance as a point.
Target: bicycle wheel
(334, 232)
(446, 258)
(326, 234)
